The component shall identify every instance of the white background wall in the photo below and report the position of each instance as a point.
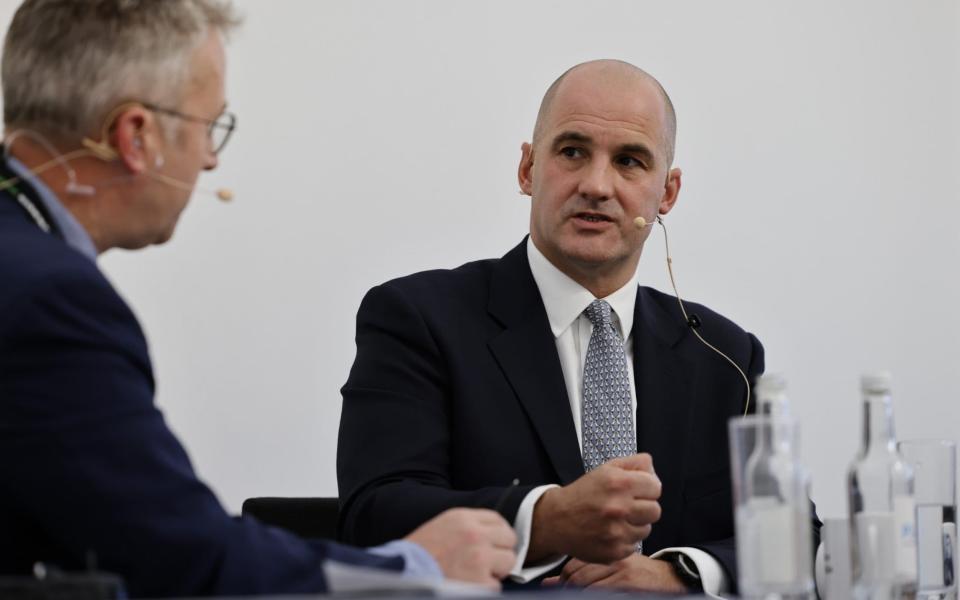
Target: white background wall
(818, 138)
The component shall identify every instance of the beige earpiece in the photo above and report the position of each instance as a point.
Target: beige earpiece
(101, 150)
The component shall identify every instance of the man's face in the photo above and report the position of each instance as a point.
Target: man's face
(598, 163)
(190, 150)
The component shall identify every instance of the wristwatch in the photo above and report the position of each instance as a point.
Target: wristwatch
(685, 569)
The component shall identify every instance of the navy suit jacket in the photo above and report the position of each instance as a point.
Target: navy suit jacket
(457, 389)
(87, 463)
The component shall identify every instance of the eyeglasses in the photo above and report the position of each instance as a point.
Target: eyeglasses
(218, 130)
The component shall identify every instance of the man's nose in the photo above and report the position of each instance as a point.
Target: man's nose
(597, 181)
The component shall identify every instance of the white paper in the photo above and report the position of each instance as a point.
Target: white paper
(351, 579)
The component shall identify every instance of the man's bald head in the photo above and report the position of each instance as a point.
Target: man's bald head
(616, 68)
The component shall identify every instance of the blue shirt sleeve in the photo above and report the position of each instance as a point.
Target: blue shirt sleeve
(417, 562)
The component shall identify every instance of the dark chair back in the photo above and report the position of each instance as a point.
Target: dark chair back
(306, 517)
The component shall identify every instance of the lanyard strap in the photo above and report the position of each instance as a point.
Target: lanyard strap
(28, 205)
(34, 212)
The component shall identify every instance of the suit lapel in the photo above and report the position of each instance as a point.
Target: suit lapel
(527, 354)
(662, 377)
(664, 381)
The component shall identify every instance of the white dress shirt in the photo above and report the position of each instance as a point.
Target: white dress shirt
(565, 300)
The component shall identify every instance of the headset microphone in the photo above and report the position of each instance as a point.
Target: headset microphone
(223, 194)
(106, 153)
(101, 150)
(693, 321)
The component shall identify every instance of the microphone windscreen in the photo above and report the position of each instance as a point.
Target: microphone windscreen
(640, 222)
(225, 194)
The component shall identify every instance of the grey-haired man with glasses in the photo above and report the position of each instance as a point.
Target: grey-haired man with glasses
(111, 110)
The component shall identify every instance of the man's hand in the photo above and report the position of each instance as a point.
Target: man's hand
(601, 516)
(474, 545)
(636, 572)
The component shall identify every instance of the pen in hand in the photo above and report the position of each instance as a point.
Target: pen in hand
(498, 507)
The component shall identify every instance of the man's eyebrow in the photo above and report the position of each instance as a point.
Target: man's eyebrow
(571, 136)
(638, 149)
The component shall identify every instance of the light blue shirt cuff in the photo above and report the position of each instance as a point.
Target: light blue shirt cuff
(417, 562)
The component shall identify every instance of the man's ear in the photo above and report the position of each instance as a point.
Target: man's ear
(671, 189)
(525, 170)
(132, 136)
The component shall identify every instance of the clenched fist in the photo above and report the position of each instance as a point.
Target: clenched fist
(601, 516)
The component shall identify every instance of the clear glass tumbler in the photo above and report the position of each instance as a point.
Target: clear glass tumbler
(935, 484)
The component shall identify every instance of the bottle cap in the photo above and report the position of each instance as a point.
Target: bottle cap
(771, 390)
(877, 382)
(770, 383)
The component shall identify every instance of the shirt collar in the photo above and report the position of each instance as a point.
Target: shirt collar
(565, 299)
(73, 233)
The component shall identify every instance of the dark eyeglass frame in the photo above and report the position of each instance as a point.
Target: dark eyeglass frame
(229, 125)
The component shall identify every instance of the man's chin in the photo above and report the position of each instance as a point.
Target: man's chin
(593, 252)
(147, 240)
(166, 234)
(164, 237)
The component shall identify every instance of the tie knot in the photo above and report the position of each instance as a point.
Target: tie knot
(599, 313)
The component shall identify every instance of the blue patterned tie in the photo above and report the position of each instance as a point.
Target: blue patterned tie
(607, 421)
(607, 406)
